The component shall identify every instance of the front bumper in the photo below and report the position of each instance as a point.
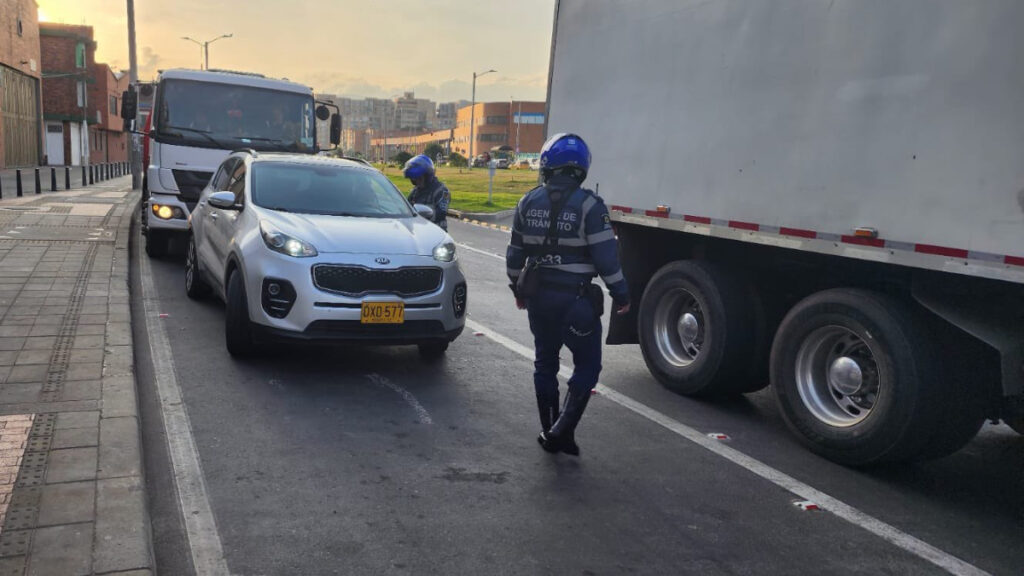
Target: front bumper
(153, 222)
(320, 315)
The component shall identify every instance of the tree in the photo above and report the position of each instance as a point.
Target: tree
(401, 158)
(433, 150)
(457, 160)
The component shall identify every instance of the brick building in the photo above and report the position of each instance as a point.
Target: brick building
(20, 75)
(81, 99)
(519, 125)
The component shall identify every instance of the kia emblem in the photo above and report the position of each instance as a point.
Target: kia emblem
(382, 260)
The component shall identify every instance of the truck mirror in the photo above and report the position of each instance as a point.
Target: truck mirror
(322, 112)
(336, 129)
(129, 104)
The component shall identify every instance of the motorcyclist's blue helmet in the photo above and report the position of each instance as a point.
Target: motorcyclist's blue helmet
(565, 154)
(418, 166)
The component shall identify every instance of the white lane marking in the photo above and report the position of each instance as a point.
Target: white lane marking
(200, 527)
(889, 533)
(479, 251)
(422, 415)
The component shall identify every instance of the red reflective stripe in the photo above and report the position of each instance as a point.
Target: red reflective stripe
(940, 250)
(744, 225)
(798, 232)
(623, 209)
(656, 214)
(1015, 260)
(876, 242)
(697, 219)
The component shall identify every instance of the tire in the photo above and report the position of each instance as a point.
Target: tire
(237, 325)
(195, 287)
(854, 376)
(156, 243)
(433, 350)
(698, 328)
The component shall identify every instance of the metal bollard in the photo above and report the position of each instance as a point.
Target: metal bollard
(67, 178)
(17, 176)
(39, 188)
(53, 179)
(1, 188)
(85, 179)
(92, 174)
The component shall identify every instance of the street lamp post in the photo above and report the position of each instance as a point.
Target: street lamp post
(206, 47)
(472, 118)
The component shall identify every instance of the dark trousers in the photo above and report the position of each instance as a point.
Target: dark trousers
(555, 320)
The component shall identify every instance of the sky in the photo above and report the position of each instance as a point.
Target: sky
(358, 48)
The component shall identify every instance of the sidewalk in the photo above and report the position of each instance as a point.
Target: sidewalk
(55, 178)
(72, 495)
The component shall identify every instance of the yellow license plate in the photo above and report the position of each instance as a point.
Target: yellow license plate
(383, 313)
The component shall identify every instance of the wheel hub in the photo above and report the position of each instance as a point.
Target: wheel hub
(846, 376)
(689, 329)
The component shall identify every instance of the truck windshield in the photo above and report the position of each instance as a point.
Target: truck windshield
(326, 189)
(211, 115)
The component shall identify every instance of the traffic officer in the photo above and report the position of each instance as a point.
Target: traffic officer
(427, 189)
(561, 238)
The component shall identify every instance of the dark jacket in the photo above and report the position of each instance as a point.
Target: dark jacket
(434, 194)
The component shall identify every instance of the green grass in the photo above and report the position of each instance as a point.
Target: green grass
(469, 187)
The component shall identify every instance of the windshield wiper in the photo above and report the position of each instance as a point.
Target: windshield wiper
(282, 144)
(203, 133)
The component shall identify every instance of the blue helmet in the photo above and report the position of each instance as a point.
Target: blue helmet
(565, 151)
(418, 166)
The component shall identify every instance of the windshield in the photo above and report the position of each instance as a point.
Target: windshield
(326, 189)
(226, 116)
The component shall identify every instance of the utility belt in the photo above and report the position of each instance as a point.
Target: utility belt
(586, 290)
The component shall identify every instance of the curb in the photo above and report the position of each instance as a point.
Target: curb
(486, 217)
(136, 519)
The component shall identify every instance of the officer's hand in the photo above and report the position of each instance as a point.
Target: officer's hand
(624, 309)
(520, 303)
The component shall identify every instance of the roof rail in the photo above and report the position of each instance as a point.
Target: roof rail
(246, 150)
(356, 159)
(238, 72)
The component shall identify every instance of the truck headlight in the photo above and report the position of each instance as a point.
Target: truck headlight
(444, 252)
(280, 242)
(165, 212)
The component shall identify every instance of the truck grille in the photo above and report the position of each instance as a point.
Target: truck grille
(358, 281)
(191, 183)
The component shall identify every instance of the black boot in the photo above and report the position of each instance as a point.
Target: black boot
(562, 435)
(548, 409)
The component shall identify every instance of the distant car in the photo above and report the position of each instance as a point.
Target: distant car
(307, 248)
(501, 163)
(534, 163)
(523, 164)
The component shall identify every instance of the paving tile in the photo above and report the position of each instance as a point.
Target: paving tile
(90, 330)
(74, 438)
(119, 334)
(40, 342)
(12, 343)
(28, 373)
(7, 357)
(81, 390)
(64, 550)
(11, 393)
(45, 330)
(90, 419)
(7, 331)
(33, 357)
(88, 342)
(67, 503)
(120, 454)
(71, 465)
(85, 319)
(4, 372)
(84, 371)
(122, 539)
(50, 320)
(118, 397)
(86, 356)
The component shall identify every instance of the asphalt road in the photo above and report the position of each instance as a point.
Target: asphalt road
(370, 461)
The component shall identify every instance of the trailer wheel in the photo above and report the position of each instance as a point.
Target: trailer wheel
(697, 330)
(853, 375)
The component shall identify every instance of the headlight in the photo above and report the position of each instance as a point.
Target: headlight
(444, 252)
(165, 212)
(280, 242)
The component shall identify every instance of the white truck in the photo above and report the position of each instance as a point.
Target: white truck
(201, 116)
(827, 196)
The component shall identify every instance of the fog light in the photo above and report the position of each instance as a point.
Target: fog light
(278, 297)
(459, 297)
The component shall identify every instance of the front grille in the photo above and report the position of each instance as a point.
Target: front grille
(358, 281)
(191, 183)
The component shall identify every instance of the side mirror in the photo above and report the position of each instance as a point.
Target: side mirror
(129, 105)
(223, 200)
(425, 211)
(336, 129)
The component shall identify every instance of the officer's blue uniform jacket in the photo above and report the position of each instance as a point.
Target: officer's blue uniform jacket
(586, 242)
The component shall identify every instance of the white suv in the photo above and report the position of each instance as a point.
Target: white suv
(309, 248)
